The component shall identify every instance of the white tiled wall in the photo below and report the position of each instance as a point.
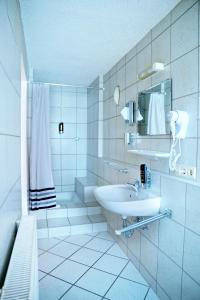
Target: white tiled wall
(68, 150)
(168, 254)
(11, 49)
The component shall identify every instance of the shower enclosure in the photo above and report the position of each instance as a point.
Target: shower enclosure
(68, 149)
(76, 209)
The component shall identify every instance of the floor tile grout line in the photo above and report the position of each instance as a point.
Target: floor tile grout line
(97, 238)
(87, 290)
(90, 267)
(147, 293)
(51, 275)
(59, 241)
(74, 284)
(77, 244)
(134, 280)
(117, 256)
(63, 257)
(65, 240)
(71, 285)
(82, 246)
(109, 253)
(92, 235)
(95, 268)
(44, 275)
(115, 279)
(104, 238)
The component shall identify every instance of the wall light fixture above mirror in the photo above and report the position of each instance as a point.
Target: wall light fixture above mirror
(156, 67)
(154, 105)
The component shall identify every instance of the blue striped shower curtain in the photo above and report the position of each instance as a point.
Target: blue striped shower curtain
(42, 189)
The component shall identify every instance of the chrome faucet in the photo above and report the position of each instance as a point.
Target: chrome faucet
(135, 185)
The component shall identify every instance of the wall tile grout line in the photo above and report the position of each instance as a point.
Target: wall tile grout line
(9, 191)
(9, 135)
(63, 175)
(157, 254)
(183, 243)
(164, 291)
(8, 78)
(153, 39)
(185, 11)
(168, 64)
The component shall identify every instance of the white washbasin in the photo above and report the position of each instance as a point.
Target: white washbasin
(123, 200)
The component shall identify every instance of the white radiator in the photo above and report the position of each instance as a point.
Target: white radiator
(21, 280)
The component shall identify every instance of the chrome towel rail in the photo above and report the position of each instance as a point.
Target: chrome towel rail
(143, 223)
(116, 166)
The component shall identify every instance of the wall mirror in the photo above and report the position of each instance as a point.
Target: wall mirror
(153, 107)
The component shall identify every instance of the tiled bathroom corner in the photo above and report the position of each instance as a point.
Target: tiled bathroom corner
(164, 248)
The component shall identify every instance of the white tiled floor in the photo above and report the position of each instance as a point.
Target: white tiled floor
(64, 249)
(78, 239)
(86, 256)
(88, 267)
(98, 244)
(45, 244)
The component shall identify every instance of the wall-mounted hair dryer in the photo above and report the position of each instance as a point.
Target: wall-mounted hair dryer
(178, 125)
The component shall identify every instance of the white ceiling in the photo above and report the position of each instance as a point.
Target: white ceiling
(72, 41)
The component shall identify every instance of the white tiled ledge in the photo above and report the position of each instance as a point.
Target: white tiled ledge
(55, 227)
(87, 181)
(71, 211)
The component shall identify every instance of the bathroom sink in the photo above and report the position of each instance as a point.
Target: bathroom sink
(122, 199)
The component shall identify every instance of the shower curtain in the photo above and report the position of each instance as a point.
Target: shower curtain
(42, 190)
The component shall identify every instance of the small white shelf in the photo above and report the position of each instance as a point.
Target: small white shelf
(149, 153)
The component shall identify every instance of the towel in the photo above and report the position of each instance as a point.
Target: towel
(156, 115)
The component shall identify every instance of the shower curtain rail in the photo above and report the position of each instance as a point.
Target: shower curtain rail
(67, 85)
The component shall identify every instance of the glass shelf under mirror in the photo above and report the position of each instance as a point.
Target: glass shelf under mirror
(149, 153)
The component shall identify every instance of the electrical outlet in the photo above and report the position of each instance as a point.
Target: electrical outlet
(192, 172)
(185, 171)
